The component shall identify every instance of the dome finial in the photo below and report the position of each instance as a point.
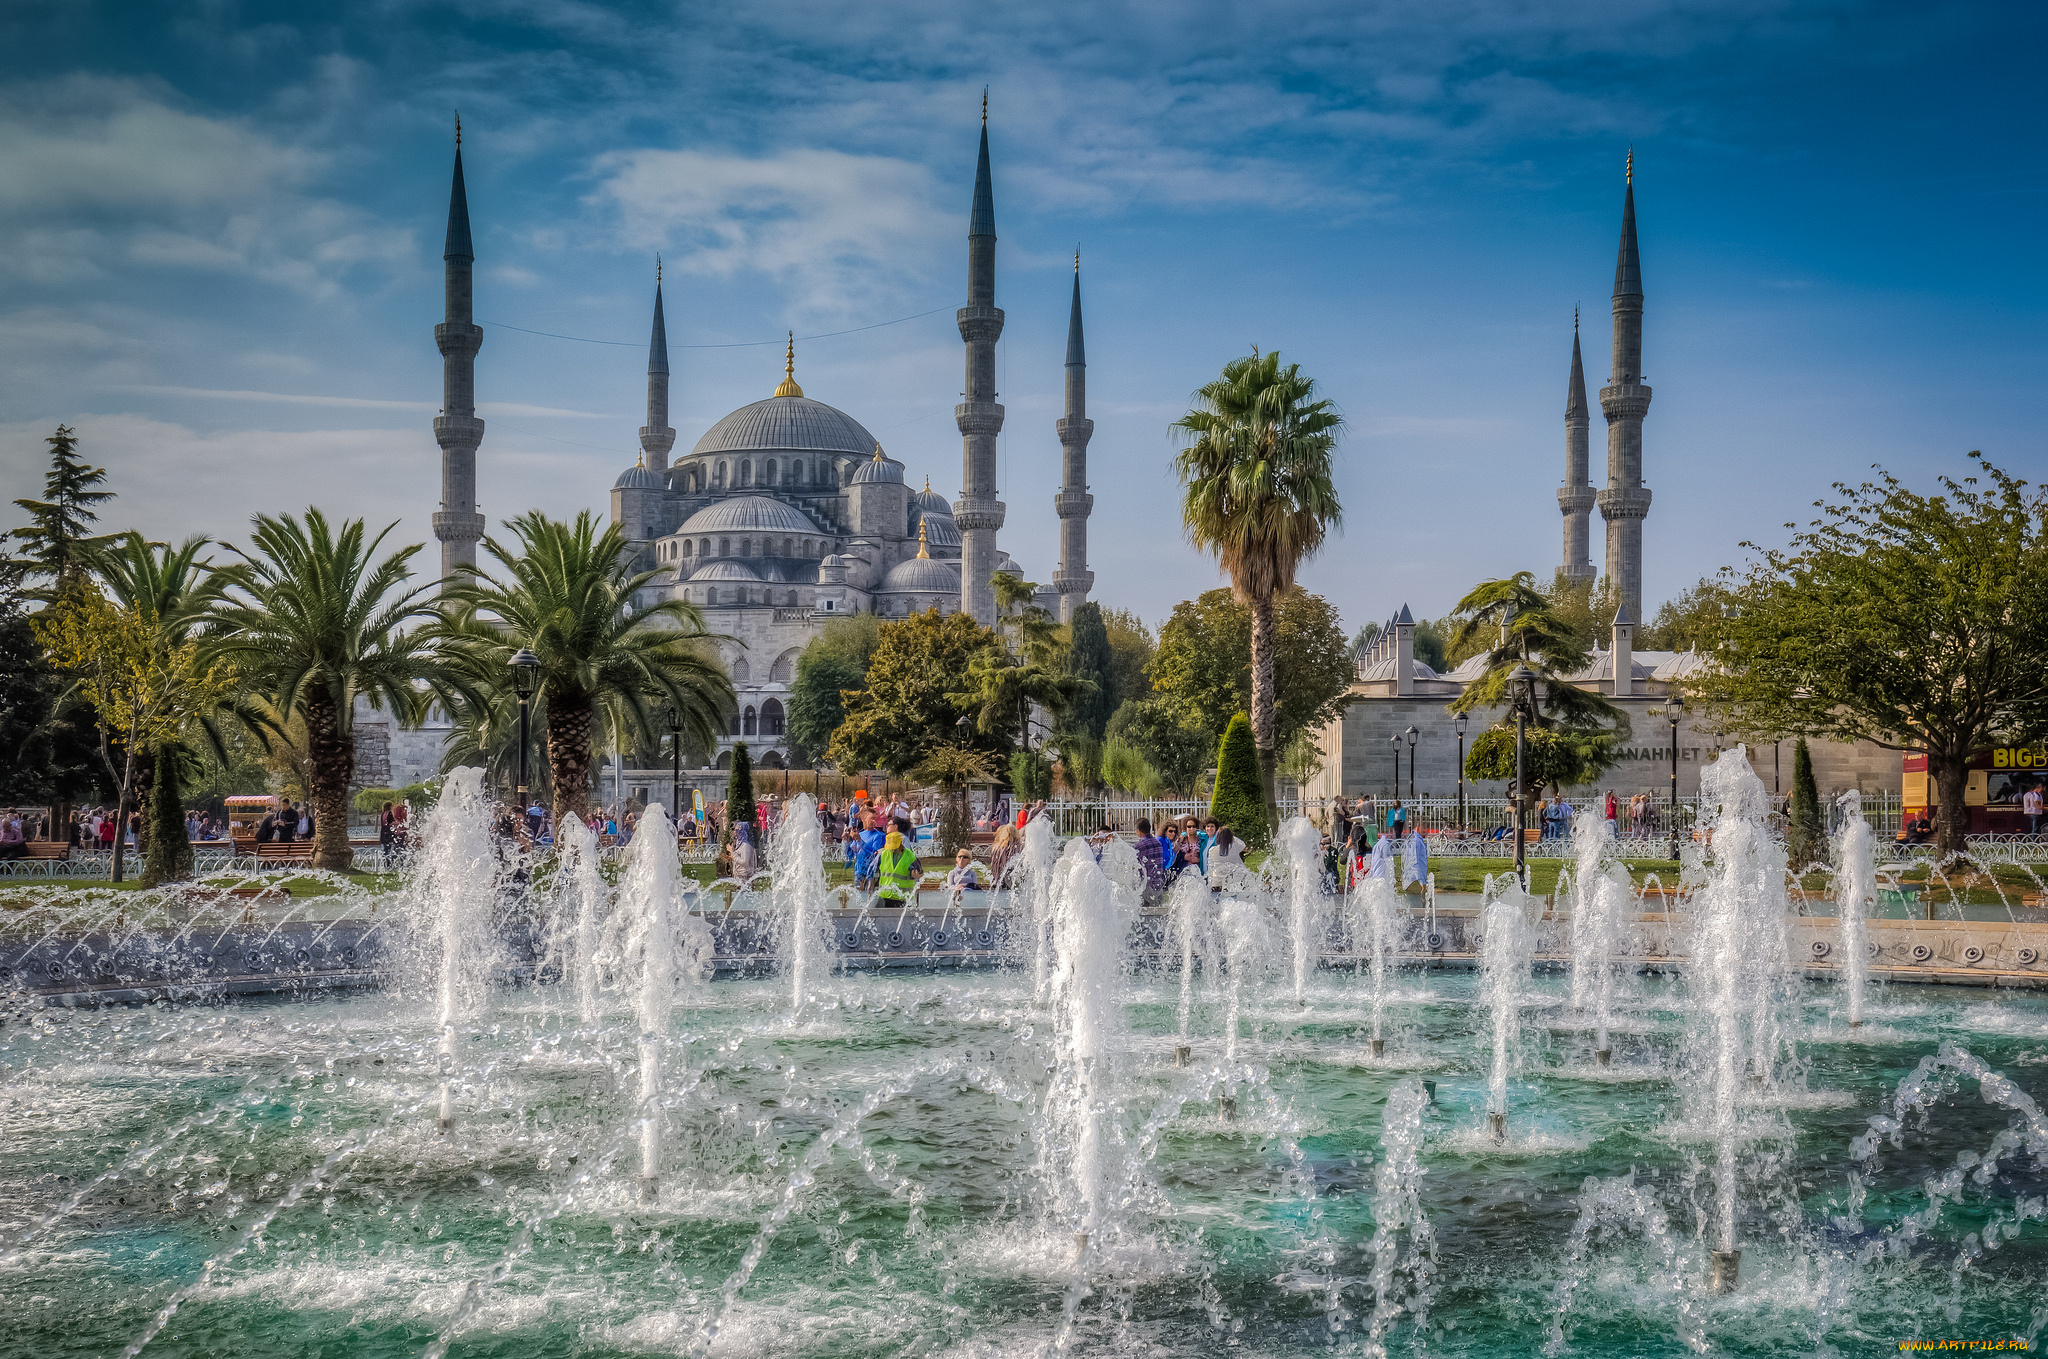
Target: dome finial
(984, 106)
(1629, 175)
(789, 387)
(458, 129)
(922, 555)
(878, 451)
(657, 266)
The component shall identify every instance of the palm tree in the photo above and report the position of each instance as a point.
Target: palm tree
(316, 622)
(1258, 494)
(570, 595)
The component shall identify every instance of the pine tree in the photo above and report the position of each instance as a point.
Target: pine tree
(1089, 658)
(167, 845)
(58, 539)
(1805, 836)
(1239, 799)
(739, 792)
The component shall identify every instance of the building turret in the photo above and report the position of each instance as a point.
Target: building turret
(1073, 580)
(978, 513)
(1575, 497)
(1625, 501)
(656, 438)
(457, 525)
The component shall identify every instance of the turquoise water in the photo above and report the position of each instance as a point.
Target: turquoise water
(137, 1146)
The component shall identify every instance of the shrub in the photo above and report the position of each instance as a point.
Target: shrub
(1239, 800)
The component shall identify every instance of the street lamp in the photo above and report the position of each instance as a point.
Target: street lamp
(1460, 725)
(1395, 742)
(1674, 712)
(675, 753)
(1411, 734)
(1522, 696)
(525, 667)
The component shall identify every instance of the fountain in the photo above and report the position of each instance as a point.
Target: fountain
(669, 949)
(582, 882)
(1507, 944)
(456, 888)
(1401, 1280)
(1738, 967)
(1601, 898)
(1375, 910)
(1300, 847)
(1032, 882)
(1855, 894)
(796, 854)
(1079, 1117)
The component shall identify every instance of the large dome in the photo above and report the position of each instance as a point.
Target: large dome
(784, 424)
(749, 514)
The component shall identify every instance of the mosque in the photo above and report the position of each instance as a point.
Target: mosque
(788, 513)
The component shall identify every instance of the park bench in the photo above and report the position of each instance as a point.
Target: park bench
(48, 851)
(293, 852)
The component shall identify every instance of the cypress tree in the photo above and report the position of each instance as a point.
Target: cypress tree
(1089, 658)
(1030, 776)
(1805, 835)
(1239, 800)
(739, 793)
(167, 847)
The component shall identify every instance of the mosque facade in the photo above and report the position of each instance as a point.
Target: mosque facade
(788, 512)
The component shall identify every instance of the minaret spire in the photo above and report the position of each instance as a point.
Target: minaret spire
(656, 438)
(978, 513)
(1625, 501)
(457, 525)
(1073, 580)
(1575, 497)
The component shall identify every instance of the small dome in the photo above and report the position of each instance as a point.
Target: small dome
(921, 575)
(723, 571)
(637, 478)
(930, 502)
(941, 531)
(1008, 566)
(749, 514)
(878, 469)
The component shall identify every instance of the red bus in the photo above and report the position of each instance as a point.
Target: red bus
(1998, 777)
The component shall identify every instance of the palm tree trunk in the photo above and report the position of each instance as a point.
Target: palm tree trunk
(331, 761)
(570, 727)
(1262, 705)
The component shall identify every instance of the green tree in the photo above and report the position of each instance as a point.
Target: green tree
(1081, 761)
(1204, 666)
(835, 661)
(1362, 641)
(569, 594)
(1552, 757)
(1238, 800)
(1303, 758)
(167, 845)
(1259, 495)
(1584, 608)
(1089, 658)
(58, 540)
(954, 769)
(1130, 655)
(1178, 750)
(740, 807)
(1004, 682)
(1126, 769)
(1431, 639)
(1689, 622)
(1912, 621)
(1030, 776)
(906, 707)
(315, 621)
(1805, 833)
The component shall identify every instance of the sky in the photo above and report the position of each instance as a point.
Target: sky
(220, 227)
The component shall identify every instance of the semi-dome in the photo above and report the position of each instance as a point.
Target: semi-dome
(879, 468)
(786, 424)
(637, 478)
(750, 514)
(940, 530)
(921, 575)
(727, 570)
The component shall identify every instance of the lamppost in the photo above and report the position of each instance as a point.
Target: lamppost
(1411, 734)
(525, 668)
(1395, 742)
(675, 753)
(1460, 725)
(1522, 695)
(1674, 712)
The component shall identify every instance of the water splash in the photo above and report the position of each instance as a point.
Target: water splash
(1855, 894)
(583, 884)
(1080, 1119)
(796, 854)
(673, 946)
(1600, 906)
(1507, 946)
(1300, 845)
(455, 890)
(1403, 1248)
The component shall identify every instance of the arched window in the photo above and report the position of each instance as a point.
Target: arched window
(725, 547)
(771, 759)
(746, 547)
(807, 547)
(788, 547)
(725, 756)
(739, 670)
(785, 664)
(686, 547)
(735, 723)
(768, 472)
(771, 718)
(718, 477)
(747, 721)
(704, 547)
(746, 471)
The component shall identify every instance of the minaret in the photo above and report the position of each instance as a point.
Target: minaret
(1625, 500)
(1073, 580)
(656, 438)
(1575, 497)
(456, 428)
(978, 513)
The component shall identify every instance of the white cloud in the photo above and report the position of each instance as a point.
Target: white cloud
(487, 408)
(102, 172)
(838, 231)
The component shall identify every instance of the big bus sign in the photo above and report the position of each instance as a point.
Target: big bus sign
(1998, 778)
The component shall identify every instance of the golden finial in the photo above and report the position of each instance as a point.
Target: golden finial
(1077, 261)
(878, 450)
(1629, 175)
(984, 106)
(1575, 318)
(458, 129)
(657, 266)
(922, 555)
(927, 491)
(789, 387)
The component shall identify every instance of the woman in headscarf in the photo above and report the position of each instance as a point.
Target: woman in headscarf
(744, 861)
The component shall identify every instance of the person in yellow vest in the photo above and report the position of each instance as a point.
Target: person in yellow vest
(896, 866)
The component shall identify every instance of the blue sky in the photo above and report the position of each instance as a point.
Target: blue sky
(222, 226)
